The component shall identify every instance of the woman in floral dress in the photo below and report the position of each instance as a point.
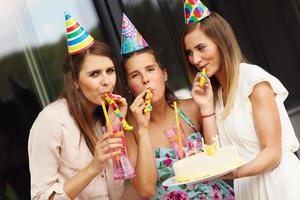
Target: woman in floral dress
(148, 147)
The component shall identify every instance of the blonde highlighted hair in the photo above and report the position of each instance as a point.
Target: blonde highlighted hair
(218, 30)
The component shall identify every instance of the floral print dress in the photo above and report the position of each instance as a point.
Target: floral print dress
(210, 190)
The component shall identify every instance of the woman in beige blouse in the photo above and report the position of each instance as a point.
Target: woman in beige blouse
(67, 160)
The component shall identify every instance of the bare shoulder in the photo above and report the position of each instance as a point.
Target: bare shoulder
(191, 109)
(262, 91)
(189, 106)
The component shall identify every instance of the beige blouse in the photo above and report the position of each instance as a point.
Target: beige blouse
(56, 152)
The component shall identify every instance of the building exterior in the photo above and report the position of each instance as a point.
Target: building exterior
(34, 44)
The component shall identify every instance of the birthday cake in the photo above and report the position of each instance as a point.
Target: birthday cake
(202, 165)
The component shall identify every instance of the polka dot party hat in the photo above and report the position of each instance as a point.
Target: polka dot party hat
(194, 11)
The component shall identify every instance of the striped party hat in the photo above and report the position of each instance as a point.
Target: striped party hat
(194, 11)
(131, 39)
(78, 38)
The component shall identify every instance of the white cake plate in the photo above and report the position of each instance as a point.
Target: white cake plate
(171, 181)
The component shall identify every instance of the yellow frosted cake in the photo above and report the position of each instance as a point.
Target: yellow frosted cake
(202, 165)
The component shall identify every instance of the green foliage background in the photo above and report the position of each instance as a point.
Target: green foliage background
(50, 58)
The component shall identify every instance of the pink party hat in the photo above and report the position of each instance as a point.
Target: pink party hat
(131, 39)
(78, 38)
(194, 11)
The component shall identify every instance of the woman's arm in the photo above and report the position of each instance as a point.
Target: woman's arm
(44, 145)
(146, 172)
(44, 154)
(268, 129)
(141, 152)
(83, 177)
(74, 185)
(203, 97)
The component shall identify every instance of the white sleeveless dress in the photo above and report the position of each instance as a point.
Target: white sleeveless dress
(238, 129)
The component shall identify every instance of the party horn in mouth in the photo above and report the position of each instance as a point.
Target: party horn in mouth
(202, 77)
(114, 106)
(148, 106)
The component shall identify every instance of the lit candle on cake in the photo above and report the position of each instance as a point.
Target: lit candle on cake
(195, 146)
(202, 145)
(219, 141)
(211, 148)
(216, 140)
(186, 151)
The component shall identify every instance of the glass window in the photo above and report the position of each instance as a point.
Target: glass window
(48, 35)
(33, 47)
(19, 106)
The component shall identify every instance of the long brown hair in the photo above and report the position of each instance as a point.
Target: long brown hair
(169, 95)
(218, 30)
(77, 102)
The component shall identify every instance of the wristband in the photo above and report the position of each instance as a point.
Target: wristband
(209, 115)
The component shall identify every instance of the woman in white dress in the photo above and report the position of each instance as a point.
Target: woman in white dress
(244, 105)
